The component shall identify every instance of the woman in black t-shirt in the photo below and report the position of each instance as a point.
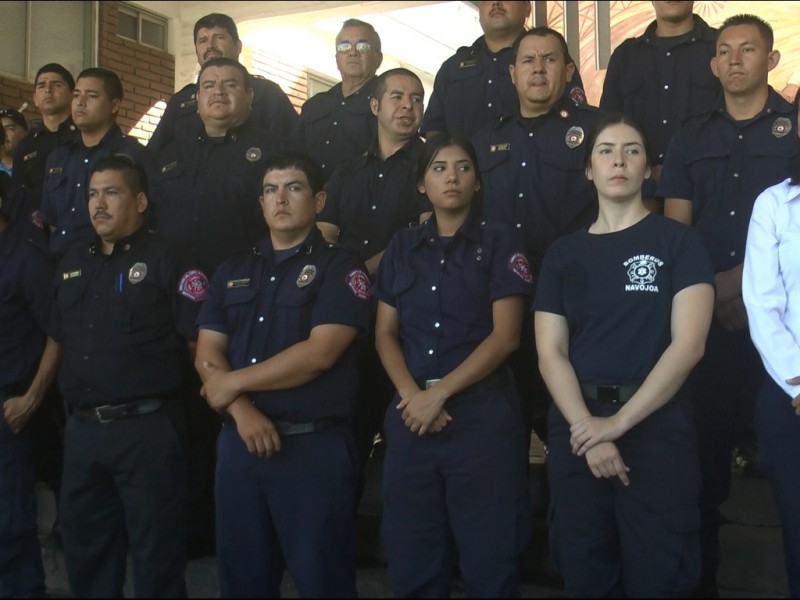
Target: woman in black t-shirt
(622, 313)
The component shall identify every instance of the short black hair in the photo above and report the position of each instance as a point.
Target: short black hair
(17, 117)
(216, 20)
(112, 84)
(380, 82)
(764, 28)
(57, 69)
(300, 161)
(132, 172)
(224, 61)
(543, 32)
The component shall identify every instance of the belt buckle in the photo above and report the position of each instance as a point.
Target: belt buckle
(98, 412)
(429, 383)
(608, 393)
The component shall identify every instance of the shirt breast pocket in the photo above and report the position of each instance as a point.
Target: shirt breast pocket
(294, 307)
(408, 301)
(239, 304)
(56, 185)
(141, 312)
(469, 291)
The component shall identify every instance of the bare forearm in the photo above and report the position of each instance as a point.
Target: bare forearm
(394, 362)
(562, 382)
(46, 373)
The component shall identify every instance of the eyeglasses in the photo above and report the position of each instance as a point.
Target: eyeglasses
(362, 47)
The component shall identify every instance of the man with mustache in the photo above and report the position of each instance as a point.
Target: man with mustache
(114, 330)
(216, 36)
(337, 124)
(96, 102)
(370, 198)
(531, 163)
(716, 166)
(472, 88)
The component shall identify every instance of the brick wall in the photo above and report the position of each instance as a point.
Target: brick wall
(148, 74)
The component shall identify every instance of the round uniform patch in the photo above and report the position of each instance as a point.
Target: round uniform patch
(253, 154)
(193, 285)
(577, 95)
(574, 137)
(359, 284)
(519, 265)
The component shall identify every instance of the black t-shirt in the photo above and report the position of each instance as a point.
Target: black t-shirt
(616, 291)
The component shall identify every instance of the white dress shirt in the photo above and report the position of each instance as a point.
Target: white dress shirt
(771, 282)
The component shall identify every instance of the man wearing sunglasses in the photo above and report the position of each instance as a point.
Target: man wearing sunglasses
(337, 124)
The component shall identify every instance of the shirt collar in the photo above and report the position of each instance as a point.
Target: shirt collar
(121, 246)
(775, 105)
(470, 229)
(312, 241)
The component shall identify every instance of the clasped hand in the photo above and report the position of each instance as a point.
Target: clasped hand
(588, 432)
(423, 412)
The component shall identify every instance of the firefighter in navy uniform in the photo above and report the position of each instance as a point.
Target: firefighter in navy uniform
(715, 168)
(472, 88)
(338, 124)
(25, 292)
(115, 330)
(531, 167)
(215, 36)
(275, 350)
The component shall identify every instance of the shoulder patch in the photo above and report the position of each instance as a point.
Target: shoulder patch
(358, 282)
(193, 285)
(577, 95)
(518, 264)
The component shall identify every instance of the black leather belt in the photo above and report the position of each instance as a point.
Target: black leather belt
(613, 394)
(287, 428)
(113, 412)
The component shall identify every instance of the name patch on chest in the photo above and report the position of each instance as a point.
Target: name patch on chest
(71, 274)
(466, 64)
(238, 283)
(642, 270)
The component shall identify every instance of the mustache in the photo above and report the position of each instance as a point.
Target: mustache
(100, 213)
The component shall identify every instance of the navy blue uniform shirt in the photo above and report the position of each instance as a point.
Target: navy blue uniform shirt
(208, 191)
(532, 173)
(26, 278)
(443, 289)
(616, 290)
(662, 82)
(64, 201)
(722, 165)
(117, 317)
(473, 88)
(30, 158)
(265, 307)
(273, 113)
(370, 199)
(333, 128)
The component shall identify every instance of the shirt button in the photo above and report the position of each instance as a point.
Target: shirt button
(733, 212)
(733, 253)
(660, 156)
(374, 207)
(519, 225)
(327, 142)
(86, 160)
(669, 54)
(521, 195)
(441, 262)
(323, 166)
(335, 123)
(253, 360)
(666, 87)
(380, 174)
(260, 319)
(433, 288)
(85, 357)
(272, 278)
(664, 121)
(366, 242)
(436, 324)
(489, 105)
(72, 209)
(524, 164)
(91, 325)
(79, 185)
(430, 351)
(530, 134)
(490, 82)
(63, 232)
(741, 137)
(736, 175)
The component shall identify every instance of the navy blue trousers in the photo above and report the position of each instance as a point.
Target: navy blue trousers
(778, 433)
(723, 389)
(608, 540)
(464, 488)
(21, 572)
(124, 490)
(291, 511)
